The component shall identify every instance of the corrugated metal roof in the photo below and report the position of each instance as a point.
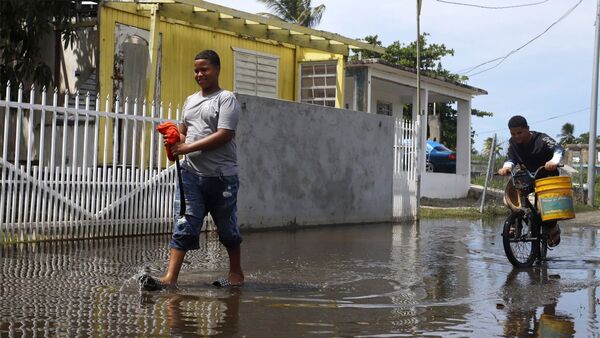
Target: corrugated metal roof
(367, 62)
(206, 13)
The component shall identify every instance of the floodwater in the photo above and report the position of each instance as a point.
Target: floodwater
(436, 278)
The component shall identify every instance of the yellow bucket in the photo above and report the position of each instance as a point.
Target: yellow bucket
(555, 198)
(555, 326)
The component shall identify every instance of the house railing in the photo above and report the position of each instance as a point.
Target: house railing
(74, 173)
(405, 169)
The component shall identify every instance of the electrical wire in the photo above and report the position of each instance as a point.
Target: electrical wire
(492, 7)
(538, 121)
(501, 59)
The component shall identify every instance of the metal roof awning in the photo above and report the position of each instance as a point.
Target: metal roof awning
(399, 70)
(199, 12)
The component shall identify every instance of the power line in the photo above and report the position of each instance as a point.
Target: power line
(492, 7)
(538, 121)
(501, 59)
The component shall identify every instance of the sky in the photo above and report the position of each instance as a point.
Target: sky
(548, 81)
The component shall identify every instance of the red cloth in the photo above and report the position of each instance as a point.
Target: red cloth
(171, 135)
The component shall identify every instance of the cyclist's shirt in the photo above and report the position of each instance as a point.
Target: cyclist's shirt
(540, 149)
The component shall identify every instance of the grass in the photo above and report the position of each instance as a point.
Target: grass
(495, 182)
(583, 208)
(463, 212)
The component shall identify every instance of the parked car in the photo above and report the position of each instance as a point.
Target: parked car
(439, 158)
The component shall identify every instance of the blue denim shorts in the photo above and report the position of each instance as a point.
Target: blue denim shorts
(203, 195)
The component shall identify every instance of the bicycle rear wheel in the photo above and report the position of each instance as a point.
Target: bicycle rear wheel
(520, 241)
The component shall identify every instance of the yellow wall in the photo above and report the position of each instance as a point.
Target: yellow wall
(180, 44)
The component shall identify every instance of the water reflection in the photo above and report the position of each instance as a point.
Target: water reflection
(442, 277)
(72, 289)
(524, 293)
(188, 314)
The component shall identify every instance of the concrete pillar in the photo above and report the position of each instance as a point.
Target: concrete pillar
(152, 53)
(463, 139)
(369, 89)
(434, 125)
(423, 122)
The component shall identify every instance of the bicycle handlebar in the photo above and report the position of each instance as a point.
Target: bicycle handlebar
(560, 165)
(534, 175)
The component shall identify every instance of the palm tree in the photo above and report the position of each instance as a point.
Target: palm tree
(487, 146)
(296, 11)
(567, 134)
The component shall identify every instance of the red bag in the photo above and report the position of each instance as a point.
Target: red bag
(172, 136)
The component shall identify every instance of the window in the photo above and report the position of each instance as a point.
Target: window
(384, 108)
(318, 83)
(255, 73)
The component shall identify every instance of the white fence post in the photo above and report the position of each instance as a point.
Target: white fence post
(5, 181)
(71, 199)
(404, 182)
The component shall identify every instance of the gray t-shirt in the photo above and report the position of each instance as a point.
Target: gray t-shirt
(203, 115)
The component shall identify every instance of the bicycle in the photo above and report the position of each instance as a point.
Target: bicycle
(524, 238)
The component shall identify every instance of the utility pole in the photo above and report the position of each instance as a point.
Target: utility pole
(420, 158)
(594, 115)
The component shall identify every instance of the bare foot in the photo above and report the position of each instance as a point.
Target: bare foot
(167, 282)
(235, 278)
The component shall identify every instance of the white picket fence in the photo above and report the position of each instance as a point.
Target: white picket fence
(405, 169)
(74, 173)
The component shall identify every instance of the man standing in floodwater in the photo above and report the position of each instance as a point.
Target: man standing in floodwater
(533, 150)
(209, 173)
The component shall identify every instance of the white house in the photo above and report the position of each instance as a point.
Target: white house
(377, 86)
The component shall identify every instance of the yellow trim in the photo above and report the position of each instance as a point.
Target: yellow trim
(220, 17)
(282, 24)
(340, 77)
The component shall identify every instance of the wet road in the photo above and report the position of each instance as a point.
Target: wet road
(439, 278)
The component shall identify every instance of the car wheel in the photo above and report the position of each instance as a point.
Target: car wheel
(429, 167)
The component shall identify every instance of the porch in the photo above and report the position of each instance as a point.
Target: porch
(376, 86)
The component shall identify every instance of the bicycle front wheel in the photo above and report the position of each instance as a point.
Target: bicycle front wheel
(521, 244)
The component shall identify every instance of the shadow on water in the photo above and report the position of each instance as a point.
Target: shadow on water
(436, 278)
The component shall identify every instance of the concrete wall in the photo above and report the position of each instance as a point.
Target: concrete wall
(306, 165)
(441, 185)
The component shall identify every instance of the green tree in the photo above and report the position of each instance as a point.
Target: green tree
(367, 54)
(406, 55)
(23, 23)
(584, 138)
(296, 11)
(567, 134)
(431, 57)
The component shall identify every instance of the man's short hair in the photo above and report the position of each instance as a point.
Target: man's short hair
(209, 55)
(517, 121)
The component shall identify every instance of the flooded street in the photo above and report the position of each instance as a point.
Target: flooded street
(438, 278)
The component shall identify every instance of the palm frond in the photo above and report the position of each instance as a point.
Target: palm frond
(295, 11)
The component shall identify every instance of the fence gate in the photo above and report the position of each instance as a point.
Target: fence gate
(405, 170)
(72, 172)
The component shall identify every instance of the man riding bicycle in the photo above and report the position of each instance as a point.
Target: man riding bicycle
(532, 150)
